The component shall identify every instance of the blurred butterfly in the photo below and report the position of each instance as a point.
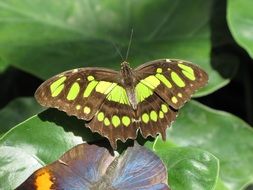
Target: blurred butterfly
(119, 104)
(90, 167)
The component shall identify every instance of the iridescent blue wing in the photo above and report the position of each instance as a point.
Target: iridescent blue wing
(77, 169)
(160, 186)
(89, 167)
(138, 169)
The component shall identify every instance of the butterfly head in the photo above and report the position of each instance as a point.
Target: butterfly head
(125, 64)
(126, 70)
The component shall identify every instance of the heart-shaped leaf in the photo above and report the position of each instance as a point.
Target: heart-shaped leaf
(188, 168)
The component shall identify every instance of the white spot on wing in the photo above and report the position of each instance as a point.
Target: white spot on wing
(62, 162)
(75, 70)
(136, 120)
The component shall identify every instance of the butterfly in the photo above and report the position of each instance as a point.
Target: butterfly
(119, 104)
(90, 167)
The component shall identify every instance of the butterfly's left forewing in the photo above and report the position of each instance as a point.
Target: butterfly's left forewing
(78, 92)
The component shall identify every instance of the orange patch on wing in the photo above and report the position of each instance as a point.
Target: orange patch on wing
(43, 180)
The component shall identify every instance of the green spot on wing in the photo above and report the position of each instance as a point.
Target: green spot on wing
(164, 108)
(107, 122)
(73, 92)
(118, 94)
(56, 84)
(164, 80)
(86, 110)
(142, 92)
(187, 71)
(90, 78)
(178, 81)
(100, 116)
(161, 115)
(58, 90)
(115, 121)
(151, 81)
(105, 87)
(189, 75)
(145, 118)
(186, 68)
(153, 115)
(126, 121)
(159, 70)
(174, 99)
(89, 88)
(78, 107)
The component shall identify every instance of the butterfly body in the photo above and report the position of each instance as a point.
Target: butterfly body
(119, 104)
(129, 81)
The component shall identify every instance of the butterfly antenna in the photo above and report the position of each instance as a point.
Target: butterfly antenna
(129, 44)
(118, 51)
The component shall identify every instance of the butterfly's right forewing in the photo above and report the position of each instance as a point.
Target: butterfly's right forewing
(173, 80)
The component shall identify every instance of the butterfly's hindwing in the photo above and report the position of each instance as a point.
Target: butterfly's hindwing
(154, 116)
(115, 120)
(175, 80)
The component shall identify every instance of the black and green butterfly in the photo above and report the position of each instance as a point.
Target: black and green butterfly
(118, 104)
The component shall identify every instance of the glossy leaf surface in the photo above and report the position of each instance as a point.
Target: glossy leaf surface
(81, 33)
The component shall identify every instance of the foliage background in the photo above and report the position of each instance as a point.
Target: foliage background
(206, 148)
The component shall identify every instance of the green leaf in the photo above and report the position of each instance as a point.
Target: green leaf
(16, 166)
(82, 33)
(240, 21)
(188, 168)
(3, 65)
(222, 134)
(220, 185)
(41, 138)
(17, 111)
